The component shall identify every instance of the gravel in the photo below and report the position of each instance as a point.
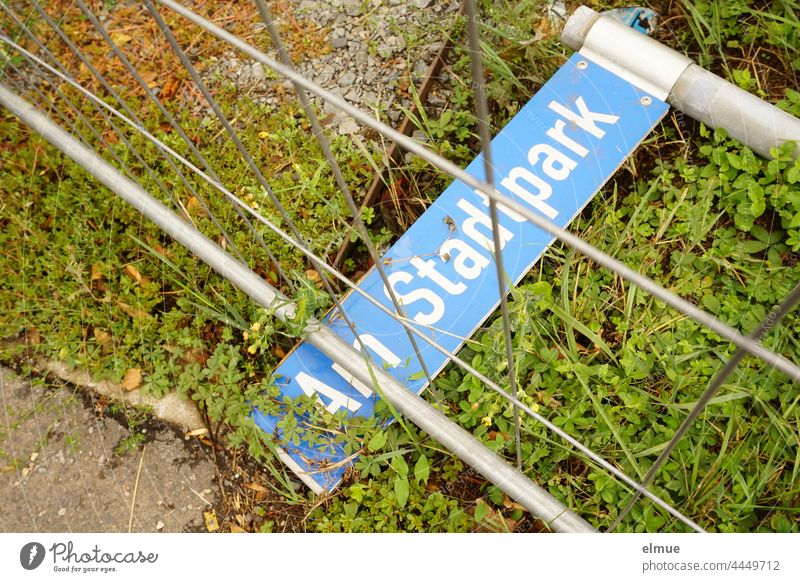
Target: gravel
(373, 50)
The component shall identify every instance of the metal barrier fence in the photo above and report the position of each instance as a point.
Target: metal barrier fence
(81, 140)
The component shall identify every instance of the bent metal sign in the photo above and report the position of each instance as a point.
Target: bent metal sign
(552, 157)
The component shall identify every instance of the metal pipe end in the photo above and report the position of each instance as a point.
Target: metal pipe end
(578, 26)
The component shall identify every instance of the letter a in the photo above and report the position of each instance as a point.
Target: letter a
(584, 119)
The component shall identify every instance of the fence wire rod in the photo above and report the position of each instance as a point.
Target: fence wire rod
(406, 324)
(322, 139)
(768, 356)
(496, 388)
(107, 86)
(462, 443)
(57, 29)
(740, 353)
(404, 321)
(88, 124)
(772, 319)
(102, 140)
(71, 124)
(482, 111)
(182, 134)
(76, 50)
(198, 81)
(459, 362)
(19, 76)
(50, 102)
(129, 67)
(99, 28)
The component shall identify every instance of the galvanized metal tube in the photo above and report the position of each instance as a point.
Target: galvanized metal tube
(712, 100)
(689, 88)
(461, 443)
(530, 495)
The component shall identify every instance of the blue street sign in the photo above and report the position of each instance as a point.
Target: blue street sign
(552, 157)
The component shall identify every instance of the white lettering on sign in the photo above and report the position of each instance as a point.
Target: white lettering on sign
(405, 299)
(476, 217)
(584, 119)
(467, 262)
(313, 387)
(566, 164)
(507, 211)
(388, 357)
(537, 200)
(556, 133)
(427, 269)
(469, 256)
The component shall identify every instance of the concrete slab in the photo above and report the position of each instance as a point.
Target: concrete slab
(63, 468)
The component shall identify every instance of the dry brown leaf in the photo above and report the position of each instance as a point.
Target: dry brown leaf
(48, 223)
(102, 338)
(132, 311)
(172, 349)
(120, 38)
(237, 529)
(509, 503)
(32, 336)
(149, 77)
(83, 71)
(211, 520)
(197, 432)
(132, 379)
(193, 204)
(97, 274)
(169, 89)
(314, 277)
(255, 487)
(195, 355)
(133, 273)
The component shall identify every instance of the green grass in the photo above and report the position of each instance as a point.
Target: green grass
(600, 358)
